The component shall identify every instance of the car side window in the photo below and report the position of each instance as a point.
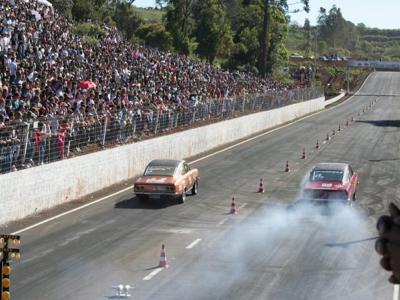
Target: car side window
(186, 167)
(350, 172)
(181, 170)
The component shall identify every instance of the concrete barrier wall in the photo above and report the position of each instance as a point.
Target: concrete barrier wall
(28, 191)
(333, 100)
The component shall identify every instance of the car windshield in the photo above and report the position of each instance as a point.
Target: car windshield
(160, 171)
(326, 175)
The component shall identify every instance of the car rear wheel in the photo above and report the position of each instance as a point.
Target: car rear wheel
(354, 196)
(182, 198)
(194, 188)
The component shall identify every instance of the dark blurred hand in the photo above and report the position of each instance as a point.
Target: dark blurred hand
(388, 243)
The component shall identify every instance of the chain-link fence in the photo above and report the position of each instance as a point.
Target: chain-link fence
(24, 144)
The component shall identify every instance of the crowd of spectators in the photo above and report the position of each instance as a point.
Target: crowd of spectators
(44, 101)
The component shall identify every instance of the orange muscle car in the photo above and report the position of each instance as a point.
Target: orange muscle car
(167, 178)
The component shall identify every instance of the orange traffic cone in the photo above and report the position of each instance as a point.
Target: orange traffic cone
(317, 145)
(352, 119)
(339, 128)
(333, 132)
(163, 258)
(233, 210)
(347, 123)
(287, 167)
(303, 156)
(328, 138)
(261, 188)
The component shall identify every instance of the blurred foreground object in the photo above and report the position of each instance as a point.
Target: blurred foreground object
(388, 243)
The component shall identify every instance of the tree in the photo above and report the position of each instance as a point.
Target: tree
(126, 18)
(277, 53)
(246, 50)
(212, 31)
(268, 45)
(64, 7)
(82, 10)
(332, 26)
(155, 36)
(264, 53)
(180, 23)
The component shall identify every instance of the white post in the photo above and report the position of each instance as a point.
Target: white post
(396, 290)
(157, 120)
(103, 142)
(26, 143)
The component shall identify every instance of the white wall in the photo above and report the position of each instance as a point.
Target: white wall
(32, 190)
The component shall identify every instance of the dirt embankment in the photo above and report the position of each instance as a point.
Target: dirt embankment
(334, 80)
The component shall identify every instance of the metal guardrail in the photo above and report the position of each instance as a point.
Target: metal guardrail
(28, 144)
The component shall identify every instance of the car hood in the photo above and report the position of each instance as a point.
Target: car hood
(325, 185)
(155, 180)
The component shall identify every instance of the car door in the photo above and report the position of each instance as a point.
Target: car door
(188, 176)
(353, 180)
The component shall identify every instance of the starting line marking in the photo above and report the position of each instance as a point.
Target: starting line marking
(190, 246)
(153, 273)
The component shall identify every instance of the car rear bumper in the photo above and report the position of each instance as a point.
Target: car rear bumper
(324, 202)
(158, 194)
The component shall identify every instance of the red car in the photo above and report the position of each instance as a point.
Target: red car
(331, 182)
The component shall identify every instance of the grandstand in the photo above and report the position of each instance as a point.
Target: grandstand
(59, 95)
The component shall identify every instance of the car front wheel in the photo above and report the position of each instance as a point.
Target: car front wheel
(182, 198)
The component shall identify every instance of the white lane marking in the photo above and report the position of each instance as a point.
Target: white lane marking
(77, 236)
(190, 246)
(223, 221)
(242, 206)
(192, 162)
(71, 211)
(80, 234)
(153, 273)
(396, 292)
(175, 231)
(41, 255)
